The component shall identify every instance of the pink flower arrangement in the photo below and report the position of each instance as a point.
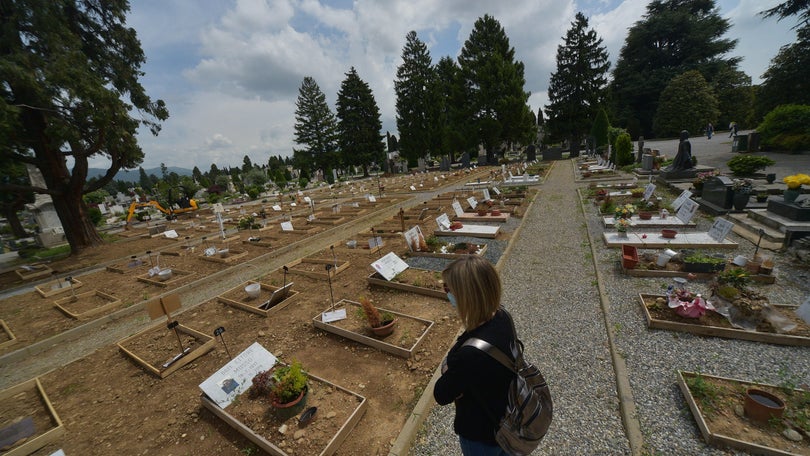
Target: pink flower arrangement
(694, 308)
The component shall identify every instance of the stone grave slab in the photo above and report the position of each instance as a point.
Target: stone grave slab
(655, 222)
(654, 240)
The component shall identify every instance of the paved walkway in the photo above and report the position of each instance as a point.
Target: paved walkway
(550, 287)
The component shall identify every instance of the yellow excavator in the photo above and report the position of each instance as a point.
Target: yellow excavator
(182, 205)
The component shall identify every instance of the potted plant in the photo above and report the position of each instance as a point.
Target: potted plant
(699, 262)
(621, 225)
(762, 197)
(742, 193)
(701, 179)
(625, 211)
(285, 385)
(381, 325)
(794, 184)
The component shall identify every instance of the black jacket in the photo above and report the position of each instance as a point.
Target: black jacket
(481, 381)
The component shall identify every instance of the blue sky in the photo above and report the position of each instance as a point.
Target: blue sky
(229, 71)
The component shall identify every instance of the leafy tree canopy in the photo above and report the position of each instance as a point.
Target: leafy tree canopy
(687, 103)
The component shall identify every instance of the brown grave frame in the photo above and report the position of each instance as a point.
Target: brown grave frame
(370, 341)
(12, 339)
(40, 270)
(720, 440)
(342, 266)
(376, 279)
(47, 437)
(451, 256)
(112, 304)
(47, 293)
(228, 259)
(178, 275)
(728, 333)
(267, 446)
(291, 297)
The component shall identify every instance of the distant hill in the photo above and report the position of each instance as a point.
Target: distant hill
(133, 175)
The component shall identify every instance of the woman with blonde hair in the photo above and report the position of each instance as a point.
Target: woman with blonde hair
(477, 383)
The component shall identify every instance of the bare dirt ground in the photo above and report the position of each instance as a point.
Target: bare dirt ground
(110, 404)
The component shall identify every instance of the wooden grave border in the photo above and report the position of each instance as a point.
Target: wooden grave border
(177, 275)
(113, 302)
(370, 341)
(202, 349)
(45, 291)
(12, 339)
(715, 331)
(233, 255)
(376, 279)
(342, 265)
(250, 307)
(51, 435)
(37, 271)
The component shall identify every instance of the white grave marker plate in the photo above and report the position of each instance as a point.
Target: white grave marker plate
(685, 195)
(648, 191)
(286, 226)
(486, 195)
(218, 208)
(413, 189)
(495, 189)
(443, 221)
(473, 202)
(720, 229)
(235, 377)
(334, 315)
(171, 234)
(687, 210)
(457, 208)
(412, 238)
(308, 199)
(276, 207)
(372, 199)
(389, 265)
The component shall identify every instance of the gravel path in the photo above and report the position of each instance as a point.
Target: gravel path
(551, 288)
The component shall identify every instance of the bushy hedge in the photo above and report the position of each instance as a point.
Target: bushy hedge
(787, 128)
(624, 150)
(746, 165)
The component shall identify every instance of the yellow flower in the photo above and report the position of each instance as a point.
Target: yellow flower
(795, 181)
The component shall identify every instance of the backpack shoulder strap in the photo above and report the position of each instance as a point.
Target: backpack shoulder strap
(490, 350)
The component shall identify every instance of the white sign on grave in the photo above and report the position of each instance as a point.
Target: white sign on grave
(435, 179)
(334, 315)
(286, 226)
(473, 202)
(171, 234)
(720, 229)
(413, 189)
(457, 208)
(685, 195)
(308, 200)
(495, 189)
(218, 208)
(372, 199)
(687, 211)
(102, 207)
(375, 242)
(293, 205)
(443, 221)
(276, 207)
(236, 377)
(310, 218)
(300, 193)
(412, 237)
(648, 191)
(804, 311)
(486, 195)
(389, 265)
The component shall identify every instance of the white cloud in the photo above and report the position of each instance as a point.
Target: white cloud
(233, 69)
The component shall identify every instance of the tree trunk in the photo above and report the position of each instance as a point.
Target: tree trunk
(14, 222)
(79, 230)
(574, 148)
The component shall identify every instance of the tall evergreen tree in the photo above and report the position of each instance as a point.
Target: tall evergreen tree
(69, 85)
(359, 124)
(673, 37)
(315, 129)
(415, 100)
(687, 103)
(787, 79)
(455, 133)
(578, 87)
(791, 8)
(493, 81)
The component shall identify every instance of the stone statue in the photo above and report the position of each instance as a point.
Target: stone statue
(683, 159)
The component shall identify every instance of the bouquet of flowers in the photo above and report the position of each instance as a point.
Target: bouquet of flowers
(795, 181)
(704, 176)
(625, 211)
(622, 224)
(742, 185)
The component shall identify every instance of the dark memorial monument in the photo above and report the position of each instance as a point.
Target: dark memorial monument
(798, 210)
(445, 163)
(717, 195)
(531, 153)
(465, 160)
(681, 167)
(552, 153)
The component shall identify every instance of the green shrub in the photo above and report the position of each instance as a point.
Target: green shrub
(95, 215)
(746, 165)
(624, 150)
(787, 127)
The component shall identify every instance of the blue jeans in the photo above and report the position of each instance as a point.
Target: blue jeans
(473, 448)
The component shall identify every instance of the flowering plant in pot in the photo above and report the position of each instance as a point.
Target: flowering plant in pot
(794, 184)
(285, 385)
(621, 225)
(625, 211)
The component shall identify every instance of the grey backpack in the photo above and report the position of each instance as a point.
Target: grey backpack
(529, 408)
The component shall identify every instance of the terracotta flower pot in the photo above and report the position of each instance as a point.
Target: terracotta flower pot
(645, 215)
(669, 234)
(761, 406)
(385, 329)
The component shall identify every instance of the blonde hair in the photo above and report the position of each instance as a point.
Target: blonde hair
(477, 287)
